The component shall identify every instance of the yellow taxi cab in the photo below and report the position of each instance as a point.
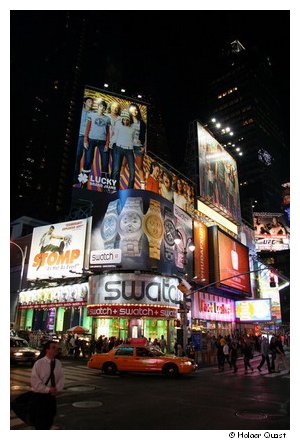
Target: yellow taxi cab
(137, 358)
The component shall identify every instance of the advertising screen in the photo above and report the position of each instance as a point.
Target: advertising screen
(135, 230)
(111, 151)
(271, 231)
(212, 307)
(67, 295)
(269, 292)
(112, 142)
(233, 260)
(169, 185)
(201, 252)
(253, 310)
(57, 250)
(218, 176)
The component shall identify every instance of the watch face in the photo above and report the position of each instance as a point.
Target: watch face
(170, 232)
(130, 222)
(108, 228)
(154, 226)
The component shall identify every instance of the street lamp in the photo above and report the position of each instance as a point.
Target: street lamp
(23, 253)
(189, 245)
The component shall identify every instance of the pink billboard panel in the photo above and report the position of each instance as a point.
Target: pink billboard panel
(212, 307)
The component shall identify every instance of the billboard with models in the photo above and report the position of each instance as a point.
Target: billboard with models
(218, 176)
(111, 151)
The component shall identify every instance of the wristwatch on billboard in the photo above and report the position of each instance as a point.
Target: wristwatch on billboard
(130, 227)
(179, 249)
(169, 235)
(154, 228)
(109, 224)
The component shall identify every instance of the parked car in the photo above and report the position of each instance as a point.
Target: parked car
(21, 352)
(141, 359)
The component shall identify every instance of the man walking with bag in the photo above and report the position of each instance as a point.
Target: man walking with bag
(47, 379)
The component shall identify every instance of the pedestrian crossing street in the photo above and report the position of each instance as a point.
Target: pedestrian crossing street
(75, 375)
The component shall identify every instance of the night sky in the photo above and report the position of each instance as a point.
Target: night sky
(171, 54)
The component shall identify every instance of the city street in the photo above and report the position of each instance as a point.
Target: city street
(205, 400)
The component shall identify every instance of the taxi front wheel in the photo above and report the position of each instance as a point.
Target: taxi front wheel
(170, 370)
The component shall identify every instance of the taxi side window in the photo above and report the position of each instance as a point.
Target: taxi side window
(142, 352)
(125, 351)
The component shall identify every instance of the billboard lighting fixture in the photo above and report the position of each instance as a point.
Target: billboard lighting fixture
(240, 153)
(123, 90)
(106, 85)
(237, 149)
(231, 133)
(213, 120)
(218, 125)
(227, 129)
(139, 96)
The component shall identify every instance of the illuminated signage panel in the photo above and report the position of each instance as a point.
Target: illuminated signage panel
(134, 289)
(271, 232)
(135, 229)
(253, 310)
(218, 176)
(233, 263)
(57, 250)
(111, 151)
(212, 307)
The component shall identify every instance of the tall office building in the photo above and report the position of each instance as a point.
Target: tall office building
(242, 112)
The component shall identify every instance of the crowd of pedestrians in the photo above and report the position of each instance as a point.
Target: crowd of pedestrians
(272, 353)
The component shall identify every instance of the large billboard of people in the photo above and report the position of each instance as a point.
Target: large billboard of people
(57, 251)
(111, 151)
(271, 231)
(112, 142)
(218, 176)
(135, 230)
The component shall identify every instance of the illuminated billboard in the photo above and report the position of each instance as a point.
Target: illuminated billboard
(233, 260)
(111, 151)
(253, 310)
(271, 231)
(111, 143)
(135, 230)
(229, 264)
(212, 307)
(169, 185)
(266, 291)
(218, 176)
(57, 250)
(201, 267)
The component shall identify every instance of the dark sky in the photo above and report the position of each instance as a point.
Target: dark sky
(172, 52)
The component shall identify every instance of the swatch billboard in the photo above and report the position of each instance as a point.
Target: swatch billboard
(218, 176)
(135, 230)
(57, 250)
(253, 310)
